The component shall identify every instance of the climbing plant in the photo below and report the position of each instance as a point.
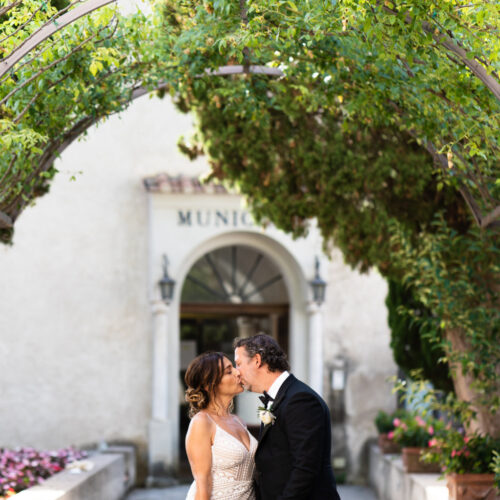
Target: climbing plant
(383, 127)
(415, 337)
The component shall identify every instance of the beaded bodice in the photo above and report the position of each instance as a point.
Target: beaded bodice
(232, 468)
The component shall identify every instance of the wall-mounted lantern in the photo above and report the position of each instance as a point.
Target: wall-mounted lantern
(167, 284)
(318, 285)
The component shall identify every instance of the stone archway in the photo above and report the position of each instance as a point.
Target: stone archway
(164, 441)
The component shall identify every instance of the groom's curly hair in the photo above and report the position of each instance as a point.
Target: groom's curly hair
(270, 351)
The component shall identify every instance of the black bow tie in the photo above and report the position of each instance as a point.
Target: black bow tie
(265, 398)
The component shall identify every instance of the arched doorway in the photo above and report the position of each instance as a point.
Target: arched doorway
(231, 291)
(185, 246)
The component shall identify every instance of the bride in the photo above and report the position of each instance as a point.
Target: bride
(219, 447)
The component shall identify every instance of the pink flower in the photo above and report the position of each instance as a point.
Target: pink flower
(430, 430)
(466, 439)
(396, 422)
(404, 426)
(420, 421)
(390, 435)
(453, 453)
(432, 442)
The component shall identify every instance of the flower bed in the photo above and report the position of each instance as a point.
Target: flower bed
(25, 467)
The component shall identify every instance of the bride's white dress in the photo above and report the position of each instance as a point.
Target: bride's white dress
(232, 468)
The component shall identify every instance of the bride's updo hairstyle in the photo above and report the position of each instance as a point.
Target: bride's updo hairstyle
(202, 377)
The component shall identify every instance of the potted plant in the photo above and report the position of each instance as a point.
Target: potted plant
(467, 461)
(413, 434)
(384, 422)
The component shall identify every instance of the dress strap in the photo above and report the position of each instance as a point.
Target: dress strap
(207, 414)
(241, 423)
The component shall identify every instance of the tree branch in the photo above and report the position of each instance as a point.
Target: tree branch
(45, 68)
(21, 26)
(7, 170)
(5, 9)
(5, 221)
(491, 219)
(447, 42)
(56, 147)
(42, 34)
(442, 161)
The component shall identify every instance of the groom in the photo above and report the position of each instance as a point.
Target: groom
(293, 456)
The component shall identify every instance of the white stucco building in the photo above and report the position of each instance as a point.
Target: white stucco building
(91, 353)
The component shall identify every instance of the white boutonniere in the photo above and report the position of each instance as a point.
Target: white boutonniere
(266, 416)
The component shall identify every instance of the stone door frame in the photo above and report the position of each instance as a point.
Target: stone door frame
(303, 339)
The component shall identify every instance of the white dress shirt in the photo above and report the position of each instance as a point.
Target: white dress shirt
(275, 387)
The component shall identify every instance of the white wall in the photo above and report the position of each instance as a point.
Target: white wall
(356, 328)
(74, 311)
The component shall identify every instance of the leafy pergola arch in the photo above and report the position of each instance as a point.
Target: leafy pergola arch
(485, 214)
(363, 75)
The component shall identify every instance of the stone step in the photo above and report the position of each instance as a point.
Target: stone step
(346, 492)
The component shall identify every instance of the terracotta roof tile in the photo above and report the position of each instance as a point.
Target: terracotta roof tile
(181, 184)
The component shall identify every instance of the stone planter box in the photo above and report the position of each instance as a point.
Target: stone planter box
(390, 481)
(387, 445)
(107, 480)
(472, 487)
(413, 464)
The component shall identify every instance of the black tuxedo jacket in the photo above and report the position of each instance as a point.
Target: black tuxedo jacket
(293, 456)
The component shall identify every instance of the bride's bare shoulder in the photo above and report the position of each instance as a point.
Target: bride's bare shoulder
(201, 422)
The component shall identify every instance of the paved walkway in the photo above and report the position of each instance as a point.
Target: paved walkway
(179, 493)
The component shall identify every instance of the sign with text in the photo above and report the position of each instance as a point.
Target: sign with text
(214, 218)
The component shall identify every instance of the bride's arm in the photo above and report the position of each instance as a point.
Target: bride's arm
(199, 452)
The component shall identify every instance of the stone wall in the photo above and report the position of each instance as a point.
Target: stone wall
(356, 330)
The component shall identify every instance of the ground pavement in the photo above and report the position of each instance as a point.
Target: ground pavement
(179, 493)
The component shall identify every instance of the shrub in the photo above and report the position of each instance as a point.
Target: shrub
(415, 338)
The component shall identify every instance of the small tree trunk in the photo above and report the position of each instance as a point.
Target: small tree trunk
(485, 422)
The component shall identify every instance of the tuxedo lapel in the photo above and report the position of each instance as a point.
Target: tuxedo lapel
(276, 403)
